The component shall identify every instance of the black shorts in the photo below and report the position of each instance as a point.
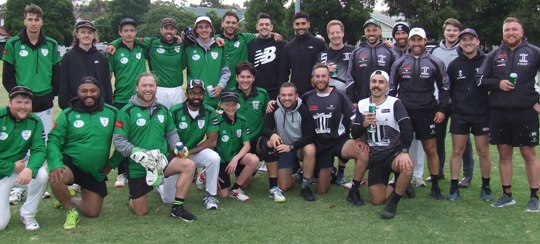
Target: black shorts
(513, 127)
(423, 124)
(462, 124)
(285, 160)
(325, 159)
(226, 177)
(253, 145)
(138, 188)
(380, 167)
(85, 180)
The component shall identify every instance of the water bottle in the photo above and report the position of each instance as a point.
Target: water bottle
(373, 110)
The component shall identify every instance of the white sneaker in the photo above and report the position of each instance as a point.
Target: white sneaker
(200, 182)
(277, 195)
(263, 168)
(17, 195)
(347, 185)
(210, 203)
(121, 181)
(239, 194)
(418, 182)
(30, 223)
(46, 195)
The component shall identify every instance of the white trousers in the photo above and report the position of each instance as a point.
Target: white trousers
(206, 158)
(170, 96)
(417, 155)
(36, 188)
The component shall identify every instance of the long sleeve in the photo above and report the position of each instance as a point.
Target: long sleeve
(308, 129)
(55, 143)
(484, 76)
(63, 83)
(8, 76)
(38, 152)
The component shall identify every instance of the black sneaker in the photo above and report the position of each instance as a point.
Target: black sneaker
(410, 192)
(178, 211)
(355, 198)
(388, 212)
(307, 194)
(436, 194)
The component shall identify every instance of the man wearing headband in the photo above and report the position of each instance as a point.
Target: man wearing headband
(21, 131)
(389, 144)
(78, 152)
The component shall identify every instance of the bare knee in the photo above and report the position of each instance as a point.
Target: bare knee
(377, 201)
(93, 213)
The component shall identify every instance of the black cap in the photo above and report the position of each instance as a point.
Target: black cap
(89, 80)
(168, 21)
(229, 96)
(195, 83)
(468, 31)
(401, 26)
(126, 21)
(86, 24)
(20, 90)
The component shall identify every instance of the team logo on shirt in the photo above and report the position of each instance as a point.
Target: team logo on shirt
(26, 134)
(432, 128)
(523, 59)
(104, 121)
(200, 123)
(3, 136)
(160, 50)
(124, 60)
(381, 60)
(460, 75)
(265, 56)
(322, 121)
(214, 55)
(177, 49)
(141, 122)
(138, 56)
(78, 123)
(225, 138)
(255, 105)
(161, 118)
(237, 44)
(425, 72)
(196, 57)
(239, 133)
(182, 125)
(23, 53)
(534, 137)
(44, 51)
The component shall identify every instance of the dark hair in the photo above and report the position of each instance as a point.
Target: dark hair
(33, 9)
(300, 15)
(245, 66)
(264, 16)
(233, 14)
(287, 85)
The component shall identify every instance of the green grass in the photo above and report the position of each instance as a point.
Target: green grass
(329, 219)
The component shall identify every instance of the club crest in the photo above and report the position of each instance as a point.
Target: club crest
(104, 121)
(26, 134)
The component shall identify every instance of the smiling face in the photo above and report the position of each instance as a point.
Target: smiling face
(321, 78)
(335, 34)
(203, 30)
(378, 86)
(146, 89)
(264, 27)
(417, 45)
(401, 38)
(229, 108)
(20, 107)
(229, 25)
(512, 34)
(451, 34)
(89, 94)
(195, 97)
(469, 44)
(301, 26)
(288, 97)
(372, 33)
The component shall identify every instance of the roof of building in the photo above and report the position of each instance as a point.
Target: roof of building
(200, 11)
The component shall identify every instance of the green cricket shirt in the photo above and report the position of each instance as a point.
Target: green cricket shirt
(232, 136)
(253, 107)
(236, 50)
(126, 64)
(192, 131)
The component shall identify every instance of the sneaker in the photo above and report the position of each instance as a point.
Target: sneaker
(453, 196)
(388, 212)
(263, 168)
(532, 206)
(178, 211)
(307, 194)
(441, 177)
(72, 219)
(46, 195)
(210, 203)
(276, 194)
(504, 201)
(239, 194)
(30, 223)
(200, 182)
(418, 182)
(121, 181)
(485, 193)
(465, 182)
(355, 198)
(347, 185)
(340, 179)
(17, 195)
(410, 192)
(436, 194)
(74, 189)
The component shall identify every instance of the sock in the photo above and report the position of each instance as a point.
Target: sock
(355, 184)
(434, 182)
(485, 182)
(395, 198)
(533, 192)
(178, 201)
(235, 186)
(273, 182)
(341, 169)
(392, 204)
(507, 190)
(306, 182)
(453, 185)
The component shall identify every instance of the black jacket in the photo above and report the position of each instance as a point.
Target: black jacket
(265, 55)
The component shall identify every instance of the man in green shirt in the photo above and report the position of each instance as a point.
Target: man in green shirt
(145, 131)
(233, 147)
(20, 131)
(78, 151)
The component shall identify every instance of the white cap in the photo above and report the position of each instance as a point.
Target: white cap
(417, 32)
(379, 72)
(203, 18)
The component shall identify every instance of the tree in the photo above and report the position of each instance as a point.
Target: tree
(160, 10)
(118, 9)
(272, 7)
(529, 14)
(211, 3)
(216, 20)
(58, 20)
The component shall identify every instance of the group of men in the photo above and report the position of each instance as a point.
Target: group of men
(365, 103)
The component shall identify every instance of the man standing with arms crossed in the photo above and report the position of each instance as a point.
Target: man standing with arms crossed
(514, 107)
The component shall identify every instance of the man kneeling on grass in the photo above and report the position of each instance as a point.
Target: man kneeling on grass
(389, 134)
(78, 151)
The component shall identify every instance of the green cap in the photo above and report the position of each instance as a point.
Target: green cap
(372, 21)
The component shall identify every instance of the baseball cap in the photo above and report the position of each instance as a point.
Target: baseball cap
(204, 18)
(20, 90)
(89, 80)
(229, 96)
(195, 83)
(401, 26)
(468, 31)
(168, 21)
(85, 24)
(372, 21)
(380, 72)
(417, 32)
(126, 21)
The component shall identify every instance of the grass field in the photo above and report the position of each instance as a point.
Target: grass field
(330, 219)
